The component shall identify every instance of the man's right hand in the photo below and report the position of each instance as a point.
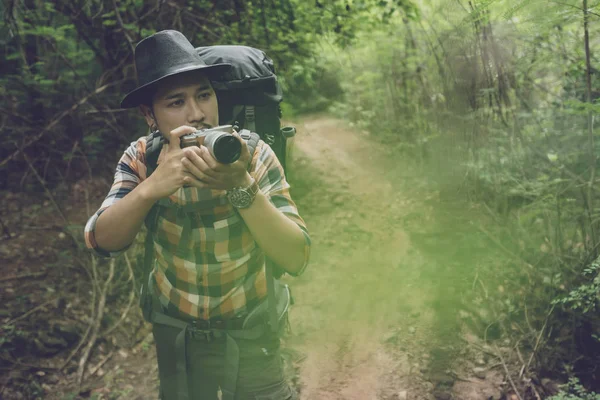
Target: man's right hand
(171, 174)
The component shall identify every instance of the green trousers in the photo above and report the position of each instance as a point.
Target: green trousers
(260, 373)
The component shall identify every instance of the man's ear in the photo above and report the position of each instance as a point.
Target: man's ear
(148, 115)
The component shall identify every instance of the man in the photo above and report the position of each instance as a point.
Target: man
(209, 267)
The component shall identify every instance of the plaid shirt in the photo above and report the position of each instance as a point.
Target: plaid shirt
(207, 264)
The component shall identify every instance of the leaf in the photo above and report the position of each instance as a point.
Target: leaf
(552, 157)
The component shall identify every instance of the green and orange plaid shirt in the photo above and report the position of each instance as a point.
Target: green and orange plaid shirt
(207, 264)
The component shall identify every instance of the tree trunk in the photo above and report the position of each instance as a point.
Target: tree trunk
(590, 126)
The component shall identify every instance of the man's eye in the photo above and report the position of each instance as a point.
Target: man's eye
(204, 95)
(176, 103)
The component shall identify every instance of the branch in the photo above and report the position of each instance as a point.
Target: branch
(120, 22)
(590, 118)
(501, 246)
(81, 25)
(22, 276)
(108, 110)
(131, 297)
(20, 364)
(575, 7)
(68, 62)
(5, 229)
(56, 120)
(48, 193)
(539, 337)
(28, 313)
(17, 115)
(101, 363)
(81, 342)
(153, 11)
(93, 302)
(512, 383)
(96, 324)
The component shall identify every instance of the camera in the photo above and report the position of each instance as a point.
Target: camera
(219, 141)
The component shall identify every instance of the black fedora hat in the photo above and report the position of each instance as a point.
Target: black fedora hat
(166, 53)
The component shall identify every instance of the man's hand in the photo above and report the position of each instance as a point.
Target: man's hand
(211, 174)
(171, 174)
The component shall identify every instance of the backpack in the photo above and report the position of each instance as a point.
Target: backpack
(248, 96)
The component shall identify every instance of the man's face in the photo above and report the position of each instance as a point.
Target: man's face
(184, 99)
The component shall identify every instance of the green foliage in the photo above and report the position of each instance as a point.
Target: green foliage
(311, 87)
(491, 98)
(55, 55)
(574, 391)
(586, 297)
(10, 334)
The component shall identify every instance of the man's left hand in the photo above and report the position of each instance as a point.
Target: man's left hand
(213, 174)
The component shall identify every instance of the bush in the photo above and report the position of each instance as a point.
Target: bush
(574, 391)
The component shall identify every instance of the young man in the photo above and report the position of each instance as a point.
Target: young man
(210, 249)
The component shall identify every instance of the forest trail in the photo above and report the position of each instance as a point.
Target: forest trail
(354, 304)
(376, 311)
(364, 307)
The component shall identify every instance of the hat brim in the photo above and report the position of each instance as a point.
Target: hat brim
(139, 95)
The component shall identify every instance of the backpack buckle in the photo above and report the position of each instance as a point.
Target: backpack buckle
(270, 139)
(245, 134)
(203, 332)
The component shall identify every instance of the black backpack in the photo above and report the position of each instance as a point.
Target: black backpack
(249, 96)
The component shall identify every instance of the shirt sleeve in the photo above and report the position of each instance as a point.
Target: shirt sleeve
(268, 172)
(131, 170)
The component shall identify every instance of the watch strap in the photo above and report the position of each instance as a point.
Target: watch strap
(253, 187)
(251, 190)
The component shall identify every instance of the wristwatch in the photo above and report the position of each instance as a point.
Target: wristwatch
(240, 197)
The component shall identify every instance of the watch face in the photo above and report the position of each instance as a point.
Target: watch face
(240, 198)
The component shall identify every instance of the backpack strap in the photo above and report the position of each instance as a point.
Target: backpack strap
(252, 138)
(145, 296)
(249, 115)
(154, 145)
(271, 300)
(237, 111)
(250, 118)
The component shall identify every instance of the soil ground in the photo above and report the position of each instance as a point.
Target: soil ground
(375, 314)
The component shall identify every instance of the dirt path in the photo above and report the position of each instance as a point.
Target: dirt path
(358, 306)
(392, 268)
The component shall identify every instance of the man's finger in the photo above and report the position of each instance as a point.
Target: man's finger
(209, 160)
(191, 180)
(202, 159)
(175, 135)
(190, 166)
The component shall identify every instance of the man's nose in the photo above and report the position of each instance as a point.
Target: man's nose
(195, 112)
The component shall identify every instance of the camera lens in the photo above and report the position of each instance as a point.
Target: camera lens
(227, 149)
